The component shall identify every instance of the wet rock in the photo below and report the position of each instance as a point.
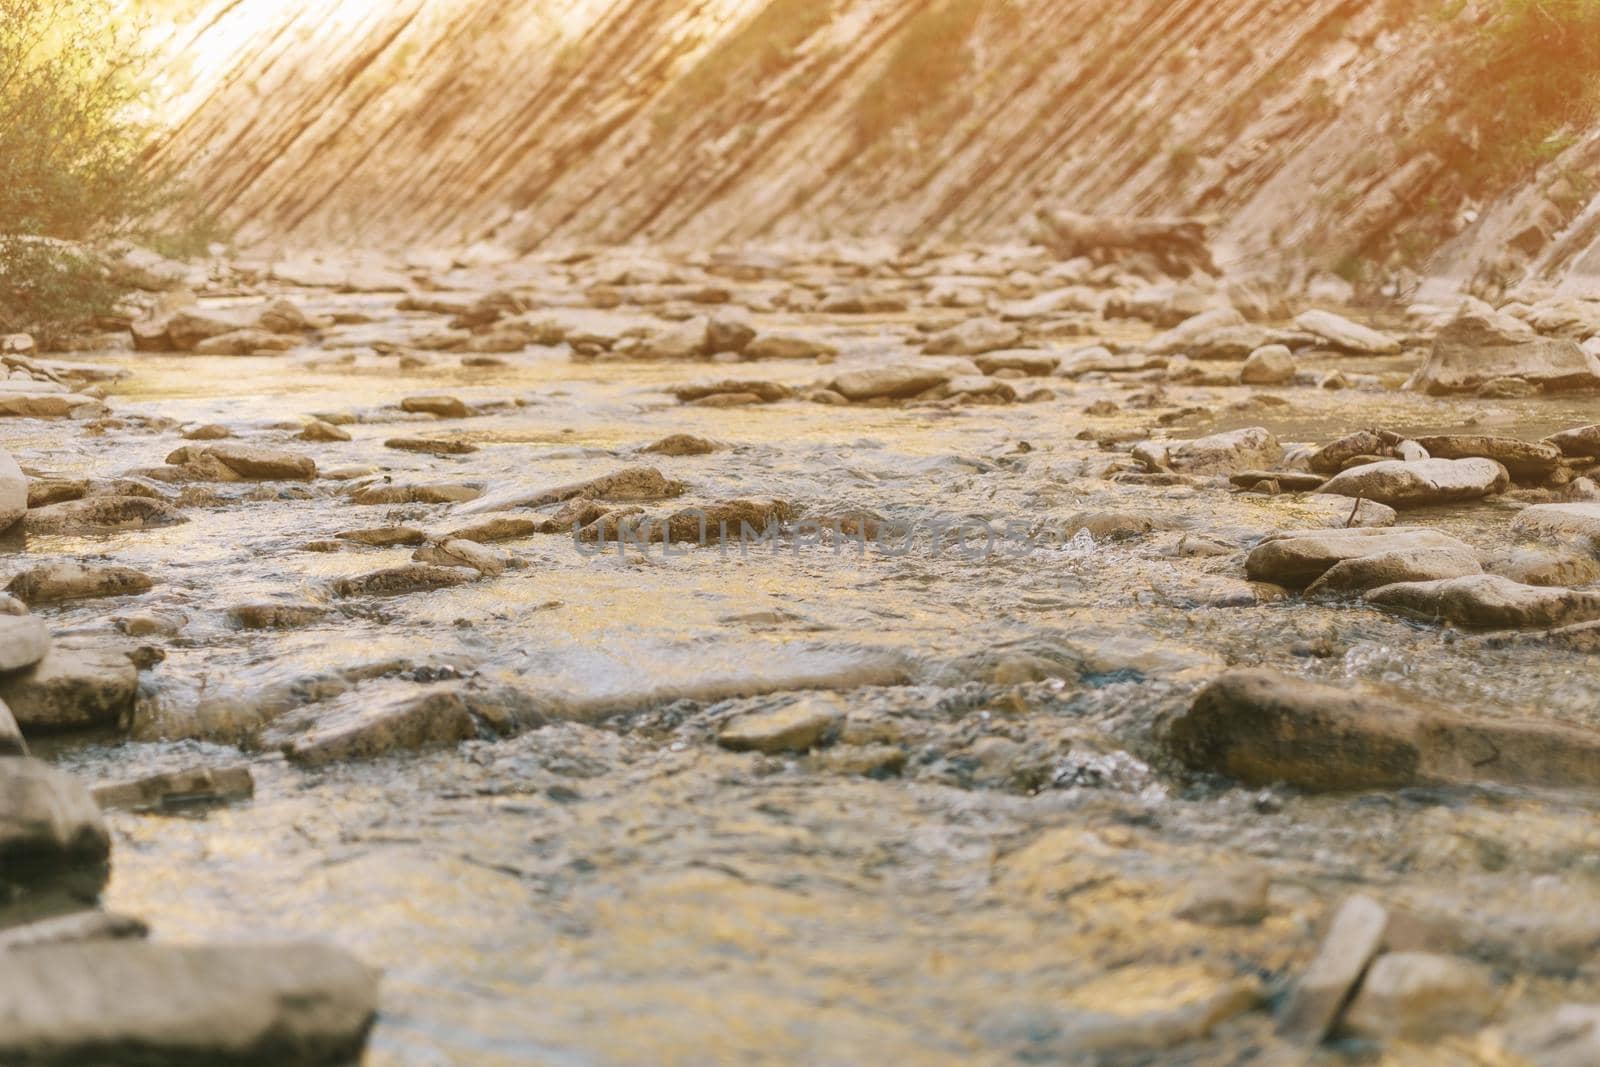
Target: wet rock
(798, 727)
(1108, 1036)
(681, 444)
(446, 407)
(1583, 442)
(44, 491)
(72, 688)
(1334, 457)
(1108, 525)
(1488, 602)
(138, 1002)
(13, 491)
(318, 430)
(11, 742)
(178, 789)
(48, 824)
(364, 727)
(971, 338)
(1260, 728)
(500, 528)
(392, 492)
(1421, 996)
(1568, 1036)
(723, 522)
(210, 431)
(1544, 566)
(103, 513)
(1434, 481)
(431, 446)
(484, 559)
(896, 382)
(276, 615)
(1027, 361)
(1346, 336)
(1288, 481)
(1298, 558)
(247, 342)
(1388, 568)
(1223, 453)
(728, 335)
(1185, 335)
(1523, 459)
(1575, 523)
(1354, 938)
(1236, 897)
(1269, 365)
(787, 346)
(73, 929)
(1482, 345)
(763, 392)
(627, 484)
(236, 462)
(24, 640)
(402, 580)
(48, 405)
(383, 536)
(60, 580)
(283, 316)
(150, 624)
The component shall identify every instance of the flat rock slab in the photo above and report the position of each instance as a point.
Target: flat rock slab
(1481, 346)
(229, 462)
(48, 823)
(1431, 481)
(1297, 559)
(134, 1002)
(365, 728)
(1260, 727)
(1488, 602)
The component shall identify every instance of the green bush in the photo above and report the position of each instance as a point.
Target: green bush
(1529, 75)
(72, 166)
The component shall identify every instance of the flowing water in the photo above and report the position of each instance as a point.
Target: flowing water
(993, 853)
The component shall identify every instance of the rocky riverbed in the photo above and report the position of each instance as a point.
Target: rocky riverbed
(810, 655)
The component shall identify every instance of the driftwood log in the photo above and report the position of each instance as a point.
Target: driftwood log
(1179, 244)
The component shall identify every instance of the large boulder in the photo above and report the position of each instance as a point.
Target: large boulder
(132, 1002)
(48, 824)
(1431, 481)
(1482, 345)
